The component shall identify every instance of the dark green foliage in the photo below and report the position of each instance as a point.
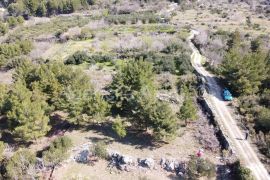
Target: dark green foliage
(26, 113)
(263, 120)
(43, 8)
(235, 40)
(14, 21)
(15, 62)
(11, 50)
(119, 127)
(188, 111)
(148, 113)
(53, 79)
(187, 82)
(240, 172)
(176, 64)
(255, 45)
(244, 73)
(134, 18)
(131, 77)
(198, 167)
(163, 121)
(3, 97)
(57, 151)
(3, 28)
(134, 94)
(78, 57)
(66, 89)
(143, 105)
(21, 165)
(16, 9)
(84, 107)
(100, 150)
(2, 148)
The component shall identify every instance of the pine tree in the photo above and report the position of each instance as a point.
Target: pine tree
(41, 10)
(130, 78)
(2, 148)
(21, 165)
(163, 121)
(3, 97)
(27, 113)
(188, 111)
(244, 73)
(119, 127)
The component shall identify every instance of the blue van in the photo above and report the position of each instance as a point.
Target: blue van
(227, 96)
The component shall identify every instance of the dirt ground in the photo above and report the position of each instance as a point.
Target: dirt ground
(5, 77)
(135, 146)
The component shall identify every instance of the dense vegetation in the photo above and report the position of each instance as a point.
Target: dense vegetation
(9, 51)
(134, 93)
(45, 8)
(57, 151)
(243, 62)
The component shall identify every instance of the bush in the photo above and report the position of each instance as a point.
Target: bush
(78, 57)
(26, 112)
(2, 148)
(21, 165)
(119, 127)
(10, 50)
(175, 64)
(263, 120)
(100, 150)
(57, 151)
(198, 167)
(12, 21)
(3, 97)
(3, 29)
(188, 111)
(240, 172)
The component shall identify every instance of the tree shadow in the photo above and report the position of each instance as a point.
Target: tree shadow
(138, 139)
(59, 126)
(175, 177)
(7, 137)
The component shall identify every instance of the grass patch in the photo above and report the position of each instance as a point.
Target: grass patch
(57, 24)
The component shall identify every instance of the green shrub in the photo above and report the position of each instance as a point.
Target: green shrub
(57, 151)
(119, 127)
(3, 29)
(10, 50)
(20, 20)
(198, 167)
(2, 148)
(240, 172)
(100, 150)
(12, 21)
(78, 57)
(3, 97)
(263, 120)
(21, 165)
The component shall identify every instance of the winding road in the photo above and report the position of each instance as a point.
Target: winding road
(235, 136)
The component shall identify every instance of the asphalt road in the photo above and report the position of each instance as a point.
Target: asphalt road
(241, 147)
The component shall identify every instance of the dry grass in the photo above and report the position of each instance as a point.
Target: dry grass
(205, 19)
(180, 149)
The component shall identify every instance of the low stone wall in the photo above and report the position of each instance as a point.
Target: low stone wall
(213, 120)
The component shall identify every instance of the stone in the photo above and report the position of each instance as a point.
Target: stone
(126, 160)
(162, 162)
(148, 162)
(82, 157)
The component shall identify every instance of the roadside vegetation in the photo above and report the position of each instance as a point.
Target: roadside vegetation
(242, 61)
(122, 70)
